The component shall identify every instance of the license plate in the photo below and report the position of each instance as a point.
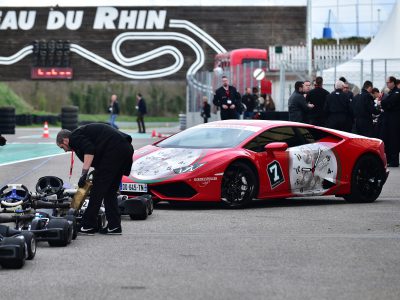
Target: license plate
(134, 187)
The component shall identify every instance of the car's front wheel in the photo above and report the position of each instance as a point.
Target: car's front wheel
(367, 179)
(238, 185)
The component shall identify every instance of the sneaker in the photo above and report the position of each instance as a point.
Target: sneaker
(87, 231)
(106, 230)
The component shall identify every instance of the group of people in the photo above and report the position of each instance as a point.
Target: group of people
(370, 112)
(141, 110)
(232, 105)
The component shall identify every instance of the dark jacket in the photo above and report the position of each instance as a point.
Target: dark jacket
(206, 110)
(115, 108)
(391, 125)
(142, 108)
(228, 98)
(106, 143)
(338, 111)
(317, 96)
(250, 101)
(297, 107)
(363, 108)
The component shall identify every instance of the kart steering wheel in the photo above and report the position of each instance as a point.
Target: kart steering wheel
(13, 195)
(49, 185)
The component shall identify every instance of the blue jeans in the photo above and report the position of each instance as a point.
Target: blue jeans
(112, 120)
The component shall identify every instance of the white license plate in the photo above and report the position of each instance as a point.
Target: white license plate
(134, 187)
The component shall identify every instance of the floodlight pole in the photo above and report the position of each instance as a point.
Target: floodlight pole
(309, 39)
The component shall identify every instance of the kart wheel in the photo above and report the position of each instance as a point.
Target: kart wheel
(66, 232)
(367, 179)
(72, 220)
(18, 262)
(238, 185)
(139, 216)
(30, 244)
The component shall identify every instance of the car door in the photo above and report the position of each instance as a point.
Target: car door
(313, 164)
(273, 166)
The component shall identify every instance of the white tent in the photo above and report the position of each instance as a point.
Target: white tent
(378, 60)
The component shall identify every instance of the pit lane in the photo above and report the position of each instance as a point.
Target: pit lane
(307, 248)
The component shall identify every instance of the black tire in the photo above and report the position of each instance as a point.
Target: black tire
(367, 179)
(66, 232)
(30, 244)
(239, 185)
(69, 109)
(74, 225)
(69, 115)
(15, 263)
(140, 216)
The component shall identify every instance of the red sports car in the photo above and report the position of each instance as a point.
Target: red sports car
(238, 160)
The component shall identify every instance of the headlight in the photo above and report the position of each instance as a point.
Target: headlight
(187, 169)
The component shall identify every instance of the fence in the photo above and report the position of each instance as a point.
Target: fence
(324, 56)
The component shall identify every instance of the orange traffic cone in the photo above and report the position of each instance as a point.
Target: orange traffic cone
(46, 131)
(153, 133)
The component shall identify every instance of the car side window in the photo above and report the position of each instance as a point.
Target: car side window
(284, 134)
(313, 135)
(307, 136)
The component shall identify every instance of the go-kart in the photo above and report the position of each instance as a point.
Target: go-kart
(15, 247)
(51, 194)
(17, 206)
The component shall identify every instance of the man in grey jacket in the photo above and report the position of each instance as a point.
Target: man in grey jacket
(298, 107)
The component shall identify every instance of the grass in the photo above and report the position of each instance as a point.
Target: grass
(124, 118)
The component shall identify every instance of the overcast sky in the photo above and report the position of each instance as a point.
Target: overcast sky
(343, 21)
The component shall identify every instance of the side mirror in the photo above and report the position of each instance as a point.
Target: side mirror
(276, 146)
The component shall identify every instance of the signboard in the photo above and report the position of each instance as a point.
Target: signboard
(138, 43)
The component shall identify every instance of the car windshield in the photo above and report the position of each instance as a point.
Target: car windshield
(209, 137)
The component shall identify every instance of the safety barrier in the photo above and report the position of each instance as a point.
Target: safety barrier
(7, 120)
(69, 117)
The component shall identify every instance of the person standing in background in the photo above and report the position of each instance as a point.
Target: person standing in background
(114, 110)
(391, 122)
(337, 108)
(227, 98)
(298, 107)
(205, 109)
(317, 96)
(141, 111)
(269, 103)
(249, 100)
(364, 108)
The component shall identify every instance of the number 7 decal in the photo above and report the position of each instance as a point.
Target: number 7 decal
(275, 174)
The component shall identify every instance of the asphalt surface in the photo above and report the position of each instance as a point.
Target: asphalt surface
(305, 248)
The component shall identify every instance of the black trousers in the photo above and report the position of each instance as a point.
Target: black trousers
(106, 180)
(140, 122)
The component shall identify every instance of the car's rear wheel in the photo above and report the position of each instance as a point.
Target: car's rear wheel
(367, 179)
(238, 185)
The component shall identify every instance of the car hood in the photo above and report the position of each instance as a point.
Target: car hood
(157, 164)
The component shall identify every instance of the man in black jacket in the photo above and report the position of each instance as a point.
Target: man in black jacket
(249, 100)
(298, 107)
(227, 98)
(317, 96)
(363, 108)
(337, 109)
(391, 122)
(109, 152)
